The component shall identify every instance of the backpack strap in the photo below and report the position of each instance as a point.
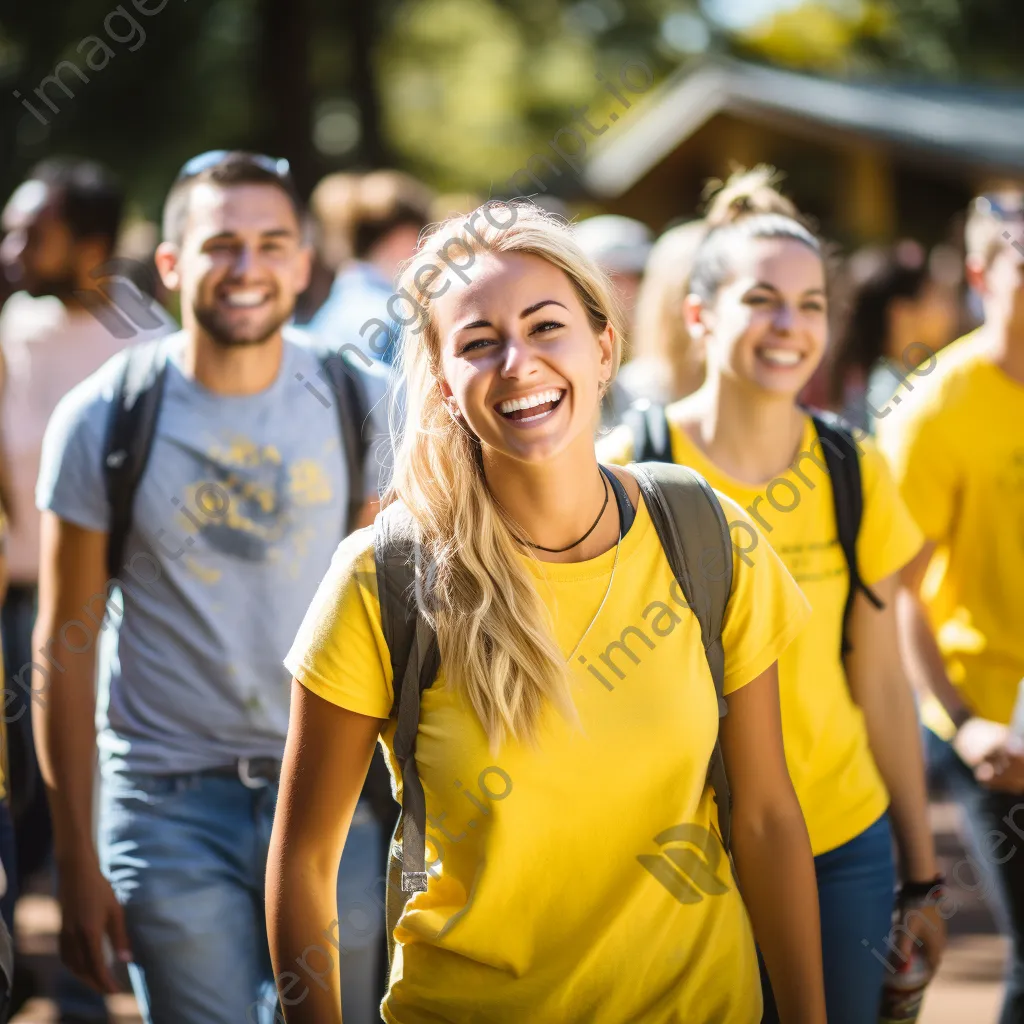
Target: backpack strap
(843, 463)
(352, 407)
(415, 661)
(652, 441)
(131, 427)
(694, 534)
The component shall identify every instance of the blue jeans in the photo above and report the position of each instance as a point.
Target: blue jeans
(186, 856)
(994, 868)
(856, 884)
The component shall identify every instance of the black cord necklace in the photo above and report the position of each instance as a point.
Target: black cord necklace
(558, 551)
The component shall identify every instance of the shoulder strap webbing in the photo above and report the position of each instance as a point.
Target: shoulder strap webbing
(694, 534)
(843, 463)
(415, 661)
(131, 427)
(352, 408)
(652, 441)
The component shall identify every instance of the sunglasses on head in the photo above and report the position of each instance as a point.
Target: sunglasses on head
(277, 166)
(1001, 205)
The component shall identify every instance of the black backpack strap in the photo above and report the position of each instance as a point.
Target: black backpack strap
(843, 463)
(131, 427)
(652, 441)
(694, 534)
(352, 407)
(415, 661)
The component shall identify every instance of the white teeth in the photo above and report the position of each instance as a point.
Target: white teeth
(245, 299)
(780, 356)
(514, 404)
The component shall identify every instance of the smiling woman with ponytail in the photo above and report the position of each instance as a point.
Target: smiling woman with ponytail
(577, 871)
(758, 303)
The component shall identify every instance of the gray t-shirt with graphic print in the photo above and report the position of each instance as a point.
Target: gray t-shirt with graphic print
(236, 518)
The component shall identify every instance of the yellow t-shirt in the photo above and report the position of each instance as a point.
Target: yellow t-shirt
(827, 751)
(582, 879)
(956, 445)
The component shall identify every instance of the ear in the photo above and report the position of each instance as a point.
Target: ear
(448, 396)
(606, 343)
(974, 273)
(166, 259)
(696, 316)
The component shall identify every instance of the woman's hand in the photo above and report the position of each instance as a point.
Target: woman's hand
(923, 928)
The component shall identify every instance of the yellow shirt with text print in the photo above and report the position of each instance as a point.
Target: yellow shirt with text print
(832, 767)
(957, 450)
(581, 879)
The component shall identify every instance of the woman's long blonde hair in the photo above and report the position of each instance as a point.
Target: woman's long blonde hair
(494, 632)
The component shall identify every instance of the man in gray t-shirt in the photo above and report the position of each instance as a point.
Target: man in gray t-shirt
(241, 505)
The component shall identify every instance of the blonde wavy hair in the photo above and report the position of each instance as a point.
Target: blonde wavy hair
(493, 629)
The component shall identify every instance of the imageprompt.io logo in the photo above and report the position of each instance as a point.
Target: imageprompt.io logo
(120, 305)
(688, 862)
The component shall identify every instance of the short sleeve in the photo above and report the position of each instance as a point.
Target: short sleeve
(889, 537)
(616, 447)
(924, 465)
(339, 653)
(70, 482)
(767, 609)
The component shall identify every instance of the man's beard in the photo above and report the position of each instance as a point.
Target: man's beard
(223, 333)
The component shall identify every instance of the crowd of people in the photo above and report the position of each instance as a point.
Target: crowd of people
(533, 538)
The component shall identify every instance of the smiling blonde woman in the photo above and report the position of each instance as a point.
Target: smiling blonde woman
(550, 794)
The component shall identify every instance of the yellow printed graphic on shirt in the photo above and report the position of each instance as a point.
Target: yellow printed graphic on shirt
(581, 879)
(831, 765)
(244, 504)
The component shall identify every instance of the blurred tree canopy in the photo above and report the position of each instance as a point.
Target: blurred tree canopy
(461, 92)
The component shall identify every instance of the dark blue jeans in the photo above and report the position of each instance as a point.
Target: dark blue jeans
(856, 883)
(993, 826)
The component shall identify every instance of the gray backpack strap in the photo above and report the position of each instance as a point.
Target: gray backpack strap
(694, 534)
(415, 661)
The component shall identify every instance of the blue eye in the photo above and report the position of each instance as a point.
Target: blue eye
(474, 344)
(547, 325)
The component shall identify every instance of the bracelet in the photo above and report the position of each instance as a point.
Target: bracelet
(918, 892)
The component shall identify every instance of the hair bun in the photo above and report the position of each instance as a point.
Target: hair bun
(746, 192)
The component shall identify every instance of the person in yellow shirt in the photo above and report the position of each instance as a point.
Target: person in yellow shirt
(758, 304)
(578, 874)
(956, 444)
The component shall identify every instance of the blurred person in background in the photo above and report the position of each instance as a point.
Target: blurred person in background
(620, 247)
(383, 213)
(664, 363)
(60, 229)
(245, 490)
(903, 309)
(759, 303)
(957, 447)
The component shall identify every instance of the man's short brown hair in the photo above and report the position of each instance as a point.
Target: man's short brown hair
(233, 168)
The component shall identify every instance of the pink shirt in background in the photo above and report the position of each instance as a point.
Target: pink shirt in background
(47, 351)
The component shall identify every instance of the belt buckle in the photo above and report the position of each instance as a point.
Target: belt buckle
(248, 780)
